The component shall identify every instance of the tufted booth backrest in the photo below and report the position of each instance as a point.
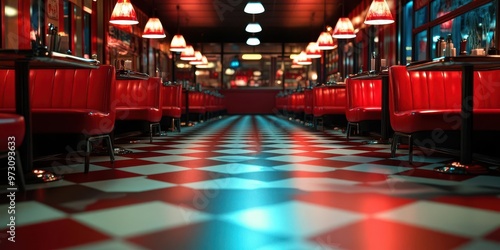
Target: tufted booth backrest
(297, 102)
(63, 88)
(363, 93)
(308, 101)
(172, 95)
(138, 92)
(430, 90)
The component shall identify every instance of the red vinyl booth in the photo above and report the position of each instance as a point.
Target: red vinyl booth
(431, 100)
(66, 101)
(364, 102)
(328, 100)
(172, 97)
(140, 100)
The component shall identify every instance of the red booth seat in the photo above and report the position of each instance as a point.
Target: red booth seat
(280, 103)
(214, 103)
(68, 101)
(297, 107)
(364, 101)
(138, 99)
(196, 104)
(328, 100)
(429, 100)
(172, 97)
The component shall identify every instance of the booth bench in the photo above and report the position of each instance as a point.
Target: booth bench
(431, 100)
(68, 101)
(139, 100)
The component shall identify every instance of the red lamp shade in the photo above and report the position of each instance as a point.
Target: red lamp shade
(188, 53)
(178, 43)
(302, 59)
(123, 13)
(198, 59)
(153, 29)
(312, 50)
(344, 29)
(379, 13)
(325, 41)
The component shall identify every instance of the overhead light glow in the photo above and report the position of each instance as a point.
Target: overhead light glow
(123, 13)
(253, 41)
(251, 56)
(9, 11)
(254, 8)
(253, 28)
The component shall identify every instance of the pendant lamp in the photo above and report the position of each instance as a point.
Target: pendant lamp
(123, 13)
(254, 8)
(302, 59)
(153, 29)
(379, 13)
(188, 53)
(344, 29)
(253, 41)
(325, 41)
(178, 43)
(312, 50)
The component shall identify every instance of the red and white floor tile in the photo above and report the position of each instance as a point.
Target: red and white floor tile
(256, 182)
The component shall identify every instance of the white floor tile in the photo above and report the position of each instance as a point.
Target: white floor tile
(463, 221)
(28, 212)
(293, 219)
(140, 218)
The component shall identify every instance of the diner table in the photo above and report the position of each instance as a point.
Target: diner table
(467, 65)
(385, 123)
(22, 60)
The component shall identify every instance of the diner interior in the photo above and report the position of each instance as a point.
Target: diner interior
(262, 125)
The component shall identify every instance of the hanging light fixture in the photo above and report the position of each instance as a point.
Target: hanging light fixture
(153, 28)
(325, 41)
(312, 50)
(178, 43)
(188, 53)
(344, 29)
(198, 58)
(253, 41)
(302, 59)
(379, 13)
(254, 8)
(253, 28)
(123, 13)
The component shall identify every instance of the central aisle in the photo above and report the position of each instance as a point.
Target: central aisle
(259, 182)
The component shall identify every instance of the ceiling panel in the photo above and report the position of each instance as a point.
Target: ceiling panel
(225, 21)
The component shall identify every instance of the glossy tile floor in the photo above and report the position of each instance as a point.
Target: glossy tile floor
(256, 182)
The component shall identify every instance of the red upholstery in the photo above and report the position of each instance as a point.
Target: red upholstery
(426, 100)
(297, 102)
(364, 100)
(172, 101)
(66, 100)
(308, 101)
(196, 103)
(11, 125)
(139, 99)
(214, 103)
(329, 100)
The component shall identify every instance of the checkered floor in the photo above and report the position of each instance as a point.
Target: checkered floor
(256, 182)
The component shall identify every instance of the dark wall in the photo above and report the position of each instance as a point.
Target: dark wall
(250, 101)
